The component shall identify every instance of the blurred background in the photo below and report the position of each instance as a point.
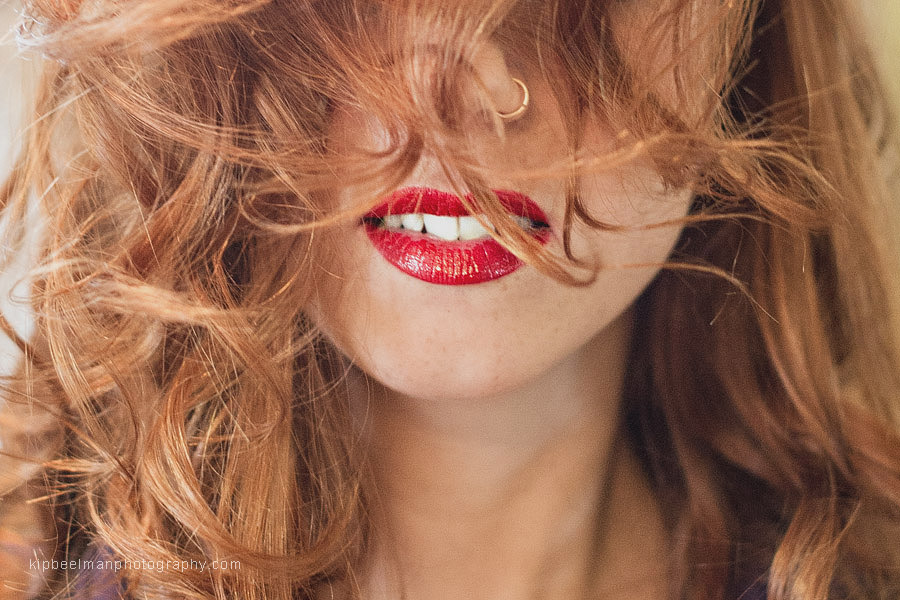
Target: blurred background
(884, 21)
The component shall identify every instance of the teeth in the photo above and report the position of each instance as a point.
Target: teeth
(413, 221)
(446, 228)
(393, 221)
(471, 229)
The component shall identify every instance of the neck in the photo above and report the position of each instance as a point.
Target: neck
(512, 496)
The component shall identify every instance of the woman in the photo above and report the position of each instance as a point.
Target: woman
(470, 300)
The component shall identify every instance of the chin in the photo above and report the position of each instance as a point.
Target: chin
(480, 363)
(460, 357)
(452, 378)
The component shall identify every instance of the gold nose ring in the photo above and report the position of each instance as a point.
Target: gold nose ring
(520, 110)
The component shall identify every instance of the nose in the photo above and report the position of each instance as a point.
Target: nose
(501, 92)
(487, 93)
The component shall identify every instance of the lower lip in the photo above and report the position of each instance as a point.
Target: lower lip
(447, 262)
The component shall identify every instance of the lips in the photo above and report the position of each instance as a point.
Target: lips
(428, 234)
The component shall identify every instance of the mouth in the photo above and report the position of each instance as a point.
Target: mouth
(428, 234)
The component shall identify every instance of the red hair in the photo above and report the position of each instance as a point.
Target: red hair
(179, 154)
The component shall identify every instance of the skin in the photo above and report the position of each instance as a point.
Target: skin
(492, 410)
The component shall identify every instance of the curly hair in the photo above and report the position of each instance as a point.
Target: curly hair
(177, 404)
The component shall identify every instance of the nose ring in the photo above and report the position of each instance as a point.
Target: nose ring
(520, 110)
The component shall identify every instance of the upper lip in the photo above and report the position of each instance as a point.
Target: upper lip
(437, 202)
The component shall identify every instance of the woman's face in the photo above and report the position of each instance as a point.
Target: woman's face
(444, 338)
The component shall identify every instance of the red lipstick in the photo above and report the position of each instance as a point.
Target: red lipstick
(445, 261)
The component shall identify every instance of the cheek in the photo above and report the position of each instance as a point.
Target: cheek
(469, 342)
(473, 341)
(643, 213)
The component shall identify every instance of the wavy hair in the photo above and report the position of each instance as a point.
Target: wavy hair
(177, 404)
